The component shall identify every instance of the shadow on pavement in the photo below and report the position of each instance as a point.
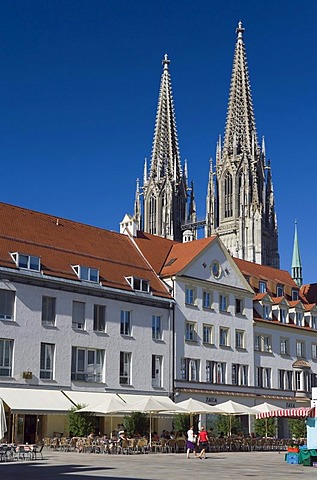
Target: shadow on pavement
(40, 471)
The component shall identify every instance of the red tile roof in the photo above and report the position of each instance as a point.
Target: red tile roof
(310, 292)
(61, 243)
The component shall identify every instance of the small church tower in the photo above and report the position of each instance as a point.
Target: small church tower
(297, 273)
(240, 199)
(165, 186)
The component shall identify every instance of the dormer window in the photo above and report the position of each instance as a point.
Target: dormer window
(280, 291)
(139, 284)
(28, 262)
(262, 287)
(86, 273)
(295, 295)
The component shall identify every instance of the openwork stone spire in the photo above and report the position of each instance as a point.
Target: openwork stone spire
(240, 199)
(165, 188)
(165, 160)
(240, 129)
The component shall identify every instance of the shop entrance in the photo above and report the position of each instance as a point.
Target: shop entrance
(30, 426)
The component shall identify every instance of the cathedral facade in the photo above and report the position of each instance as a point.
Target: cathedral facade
(240, 205)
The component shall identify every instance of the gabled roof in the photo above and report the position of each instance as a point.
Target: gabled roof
(310, 292)
(264, 272)
(61, 243)
(262, 296)
(182, 254)
(154, 248)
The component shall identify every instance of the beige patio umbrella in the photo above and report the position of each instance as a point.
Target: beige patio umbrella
(151, 406)
(3, 422)
(265, 408)
(233, 408)
(109, 406)
(196, 407)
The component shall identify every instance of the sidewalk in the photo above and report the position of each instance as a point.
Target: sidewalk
(236, 466)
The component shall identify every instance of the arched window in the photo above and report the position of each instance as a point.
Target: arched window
(152, 215)
(240, 194)
(228, 195)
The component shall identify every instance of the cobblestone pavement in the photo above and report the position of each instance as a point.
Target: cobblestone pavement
(237, 466)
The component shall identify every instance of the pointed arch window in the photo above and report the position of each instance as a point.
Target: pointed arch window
(228, 195)
(240, 194)
(153, 215)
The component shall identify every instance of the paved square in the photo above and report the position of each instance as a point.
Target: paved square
(237, 466)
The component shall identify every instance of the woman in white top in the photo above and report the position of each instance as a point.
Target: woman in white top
(191, 442)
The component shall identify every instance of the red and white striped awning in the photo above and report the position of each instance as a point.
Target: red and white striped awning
(300, 412)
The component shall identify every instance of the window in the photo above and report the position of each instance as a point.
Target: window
(285, 379)
(279, 290)
(190, 369)
(266, 312)
(99, 318)
(216, 372)
(223, 303)
(283, 315)
(125, 322)
(157, 370)
(78, 315)
(298, 382)
(263, 343)
(240, 339)
(240, 374)
(284, 346)
(263, 377)
(6, 353)
(86, 273)
(125, 368)
(239, 306)
(295, 295)
(29, 262)
(190, 333)
(228, 195)
(314, 351)
(48, 310)
(47, 361)
(300, 349)
(298, 319)
(223, 337)
(313, 322)
(207, 299)
(207, 334)
(156, 327)
(219, 372)
(262, 287)
(7, 298)
(87, 364)
(190, 296)
(139, 284)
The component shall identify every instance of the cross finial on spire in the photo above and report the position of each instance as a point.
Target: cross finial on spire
(166, 62)
(239, 30)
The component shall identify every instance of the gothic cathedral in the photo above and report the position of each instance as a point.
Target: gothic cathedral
(240, 201)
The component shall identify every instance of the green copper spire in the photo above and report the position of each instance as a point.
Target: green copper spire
(296, 261)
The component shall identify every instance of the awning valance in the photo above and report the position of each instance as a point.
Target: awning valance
(93, 399)
(300, 412)
(35, 401)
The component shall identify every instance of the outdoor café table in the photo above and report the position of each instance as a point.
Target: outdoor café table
(24, 451)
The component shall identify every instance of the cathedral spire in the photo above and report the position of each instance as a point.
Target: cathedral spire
(240, 129)
(297, 274)
(240, 200)
(137, 206)
(165, 160)
(165, 191)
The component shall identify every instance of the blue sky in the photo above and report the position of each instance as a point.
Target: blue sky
(79, 84)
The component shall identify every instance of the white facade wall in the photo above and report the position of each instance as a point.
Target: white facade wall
(28, 332)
